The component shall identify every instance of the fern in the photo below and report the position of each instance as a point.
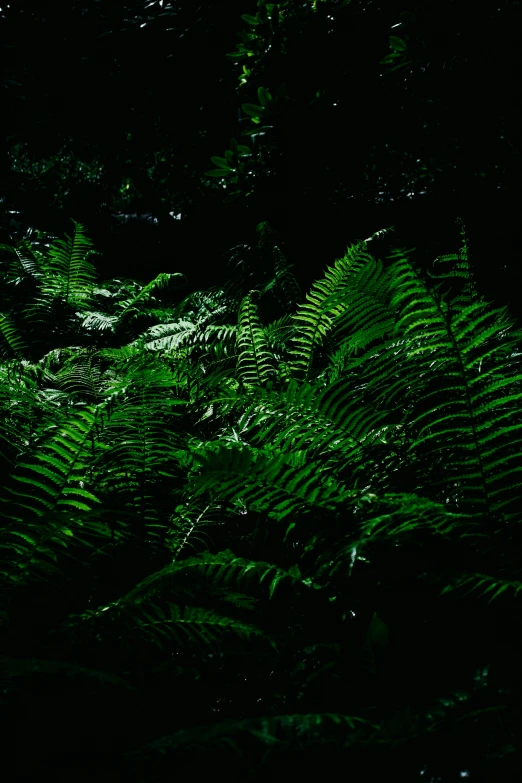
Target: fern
(255, 362)
(327, 301)
(274, 486)
(383, 412)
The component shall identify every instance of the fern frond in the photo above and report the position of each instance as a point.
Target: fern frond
(69, 274)
(265, 482)
(147, 294)
(453, 369)
(56, 478)
(15, 341)
(169, 624)
(216, 570)
(79, 375)
(30, 547)
(485, 584)
(98, 322)
(327, 301)
(255, 362)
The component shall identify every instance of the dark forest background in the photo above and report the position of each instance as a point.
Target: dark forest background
(369, 114)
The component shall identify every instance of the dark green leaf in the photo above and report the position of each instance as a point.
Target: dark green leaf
(218, 173)
(249, 19)
(252, 110)
(397, 43)
(390, 58)
(220, 162)
(264, 96)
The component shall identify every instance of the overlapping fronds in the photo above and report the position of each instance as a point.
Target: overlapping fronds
(255, 361)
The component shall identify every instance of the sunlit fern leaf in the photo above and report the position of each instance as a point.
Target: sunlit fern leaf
(255, 361)
(20, 265)
(69, 275)
(326, 302)
(301, 416)
(204, 307)
(148, 293)
(167, 337)
(454, 368)
(120, 356)
(55, 479)
(96, 321)
(362, 311)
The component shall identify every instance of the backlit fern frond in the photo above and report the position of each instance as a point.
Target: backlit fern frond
(255, 362)
(68, 273)
(454, 370)
(331, 298)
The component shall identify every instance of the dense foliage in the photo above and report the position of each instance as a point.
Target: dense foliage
(260, 516)
(252, 533)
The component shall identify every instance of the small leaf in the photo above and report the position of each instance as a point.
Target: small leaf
(397, 43)
(233, 146)
(249, 19)
(220, 162)
(244, 150)
(230, 158)
(390, 58)
(401, 65)
(264, 96)
(218, 173)
(252, 110)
